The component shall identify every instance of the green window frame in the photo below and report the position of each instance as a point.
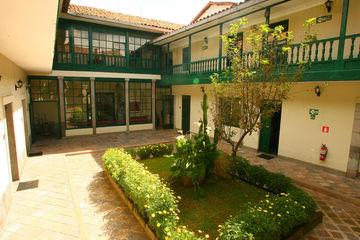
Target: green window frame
(109, 49)
(44, 90)
(140, 102)
(77, 104)
(81, 45)
(110, 103)
(62, 46)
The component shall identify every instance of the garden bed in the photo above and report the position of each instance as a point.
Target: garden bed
(252, 202)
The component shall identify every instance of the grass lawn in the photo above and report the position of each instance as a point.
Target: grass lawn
(220, 198)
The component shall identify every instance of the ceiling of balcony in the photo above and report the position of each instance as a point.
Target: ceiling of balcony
(28, 33)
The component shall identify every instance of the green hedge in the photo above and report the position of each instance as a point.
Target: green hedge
(154, 201)
(276, 216)
(154, 151)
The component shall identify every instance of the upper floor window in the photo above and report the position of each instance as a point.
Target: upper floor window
(81, 41)
(135, 43)
(62, 40)
(108, 44)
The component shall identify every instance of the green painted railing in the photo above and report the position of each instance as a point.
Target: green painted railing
(100, 62)
(321, 53)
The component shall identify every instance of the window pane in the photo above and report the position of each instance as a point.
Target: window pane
(140, 102)
(77, 104)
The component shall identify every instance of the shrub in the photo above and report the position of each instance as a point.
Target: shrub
(276, 216)
(259, 176)
(154, 201)
(144, 152)
(234, 230)
(160, 150)
(132, 152)
(155, 151)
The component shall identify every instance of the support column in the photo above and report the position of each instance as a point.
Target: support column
(189, 54)
(344, 17)
(93, 104)
(153, 103)
(61, 106)
(127, 104)
(220, 46)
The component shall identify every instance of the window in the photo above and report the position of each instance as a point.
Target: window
(228, 108)
(107, 44)
(186, 58)
(81, 46)
(77, 104)
(135, 43)
(62, 46)
(140, 102)
(44, 90)
(110, 103)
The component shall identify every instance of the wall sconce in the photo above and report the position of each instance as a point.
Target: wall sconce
(18, 84)
(328, 5)
(317, 91)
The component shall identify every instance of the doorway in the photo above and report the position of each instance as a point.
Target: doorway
(185, 115)
(270, 133)
(11, 142)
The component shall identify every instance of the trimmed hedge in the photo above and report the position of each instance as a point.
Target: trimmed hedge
(154, 201)
(275, 217)
(154, 151)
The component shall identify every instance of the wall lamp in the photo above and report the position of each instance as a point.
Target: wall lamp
(317, 91)
(18, 84)
(328, 5)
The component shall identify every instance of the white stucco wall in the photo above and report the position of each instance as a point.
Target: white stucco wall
(301, 137)
(10, 73)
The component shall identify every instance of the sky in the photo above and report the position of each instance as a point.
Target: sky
(176, 11)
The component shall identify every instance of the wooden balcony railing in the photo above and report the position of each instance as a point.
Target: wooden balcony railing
(99, 62)
(322, 54)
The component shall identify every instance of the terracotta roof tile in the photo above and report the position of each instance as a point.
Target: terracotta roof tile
(213, 8)
(120, 17)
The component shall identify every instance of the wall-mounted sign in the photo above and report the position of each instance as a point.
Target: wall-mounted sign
(323, 18)
(313, 113)
(325, 129)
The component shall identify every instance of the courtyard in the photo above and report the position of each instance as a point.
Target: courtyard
(74, 199)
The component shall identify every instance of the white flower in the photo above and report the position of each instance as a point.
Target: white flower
(180, 131)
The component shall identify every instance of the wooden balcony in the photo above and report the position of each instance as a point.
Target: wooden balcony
(326, 63)
(105, 63)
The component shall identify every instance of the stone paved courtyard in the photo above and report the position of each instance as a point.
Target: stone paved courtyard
(74, 200)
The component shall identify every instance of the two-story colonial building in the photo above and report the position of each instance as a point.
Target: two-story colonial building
(75, 70)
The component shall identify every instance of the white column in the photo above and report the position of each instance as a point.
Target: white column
(61, 105)
(153, 103)
(93, 104)
(127, 110)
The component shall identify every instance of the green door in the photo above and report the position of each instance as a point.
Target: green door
(269, 134)
(185, 116)
(265, 135)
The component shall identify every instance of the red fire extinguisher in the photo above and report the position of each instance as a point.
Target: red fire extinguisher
(323, 152)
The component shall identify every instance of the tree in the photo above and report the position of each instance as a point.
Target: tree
(255, 83)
